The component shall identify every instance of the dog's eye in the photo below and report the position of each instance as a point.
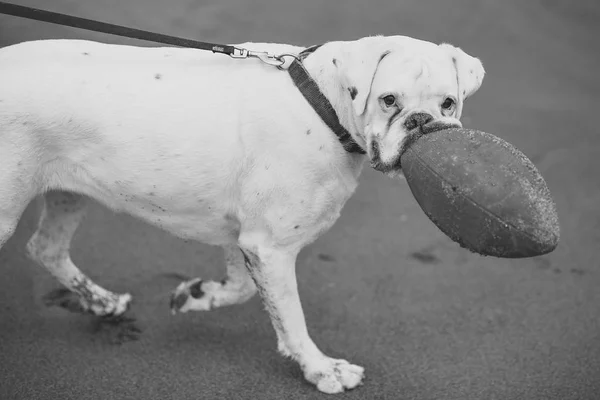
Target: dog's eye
(389, 100)
(448, 104)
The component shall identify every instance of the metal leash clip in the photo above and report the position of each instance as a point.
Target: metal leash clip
(270, 59)
(267, 58)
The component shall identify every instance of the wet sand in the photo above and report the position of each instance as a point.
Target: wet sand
(384, 288)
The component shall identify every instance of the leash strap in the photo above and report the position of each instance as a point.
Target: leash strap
(311, 92)
(91, 25)
(307, 86)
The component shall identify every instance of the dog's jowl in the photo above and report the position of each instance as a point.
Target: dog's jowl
(216, 150)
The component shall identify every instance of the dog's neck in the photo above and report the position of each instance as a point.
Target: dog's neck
(321, 66)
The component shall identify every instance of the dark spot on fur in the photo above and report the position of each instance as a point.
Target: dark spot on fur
(223, 281)
(334, 61)
(326, 257)
(158, 76)
(297, 226)
(308, 132)
(353, 92)
(85, 53)
(151, 194)
(196, 290)
(425, 256)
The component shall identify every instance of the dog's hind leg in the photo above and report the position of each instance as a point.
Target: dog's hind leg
(199, 295)
(49, 246)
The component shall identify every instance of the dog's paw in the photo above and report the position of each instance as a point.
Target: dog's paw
(191, 295)
(334, 376)
(198, 295)
(112, 305)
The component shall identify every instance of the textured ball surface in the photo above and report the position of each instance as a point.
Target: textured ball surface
(482, 192)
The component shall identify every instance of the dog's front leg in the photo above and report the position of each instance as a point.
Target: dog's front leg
(274, 273)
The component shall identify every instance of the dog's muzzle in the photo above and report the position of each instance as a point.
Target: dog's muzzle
(417, 125)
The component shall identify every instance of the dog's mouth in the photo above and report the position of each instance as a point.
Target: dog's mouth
(378, 165)
(395, 166)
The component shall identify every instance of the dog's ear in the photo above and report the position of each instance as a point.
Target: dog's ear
(469, 70)
(357, 67)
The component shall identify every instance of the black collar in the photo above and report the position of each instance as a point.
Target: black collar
(310, 90)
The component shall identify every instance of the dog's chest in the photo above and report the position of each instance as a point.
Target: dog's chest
(300, 208)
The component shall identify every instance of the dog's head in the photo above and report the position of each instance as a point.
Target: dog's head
(401, 88)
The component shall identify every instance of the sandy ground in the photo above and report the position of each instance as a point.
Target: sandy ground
(447, 325)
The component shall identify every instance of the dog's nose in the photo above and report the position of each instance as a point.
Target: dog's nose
(417, 120)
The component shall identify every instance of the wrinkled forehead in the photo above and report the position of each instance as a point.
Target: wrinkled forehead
(430, 73)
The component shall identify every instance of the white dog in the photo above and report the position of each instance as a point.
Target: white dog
(222, 151)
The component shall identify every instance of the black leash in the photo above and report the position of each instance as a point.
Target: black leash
(118, 30)
(298, 73)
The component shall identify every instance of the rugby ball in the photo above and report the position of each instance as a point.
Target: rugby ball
(482, 192)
